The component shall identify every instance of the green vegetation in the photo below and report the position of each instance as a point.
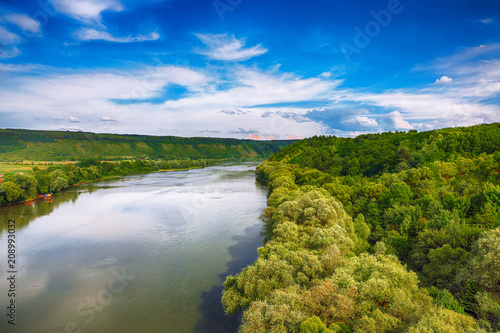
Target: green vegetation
(21, 145)
(392, 232)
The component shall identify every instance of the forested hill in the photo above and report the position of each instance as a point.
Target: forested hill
(372, 154)
(18, 145)
(392, 232)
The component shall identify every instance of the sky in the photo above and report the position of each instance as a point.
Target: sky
(248, 69)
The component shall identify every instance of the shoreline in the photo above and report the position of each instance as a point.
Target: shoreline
(41, 196)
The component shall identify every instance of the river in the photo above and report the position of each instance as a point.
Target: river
(144, 253)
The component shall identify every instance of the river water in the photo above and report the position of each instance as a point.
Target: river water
(143, 253)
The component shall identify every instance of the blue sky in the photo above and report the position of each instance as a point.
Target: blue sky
(248, 69)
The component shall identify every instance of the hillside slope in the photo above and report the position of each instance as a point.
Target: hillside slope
(18, 145)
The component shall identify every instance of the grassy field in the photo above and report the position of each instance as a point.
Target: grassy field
(25, 167)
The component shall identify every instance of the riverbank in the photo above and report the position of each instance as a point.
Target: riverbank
(43, 195)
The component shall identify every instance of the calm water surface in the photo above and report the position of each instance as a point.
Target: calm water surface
(136, 254)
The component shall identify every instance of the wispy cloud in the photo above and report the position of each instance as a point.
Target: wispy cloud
(7, 37)
(8, 51)
(242, 130)
(298, 117)
(87, 11)
(227, 48)
(461, 58)
(88, 34)
(19, 68)
(209, 131)
(13, 25)
(105, 118)
(253, 87)
(66, 128)
(22, 21)
(234, 111)
(488, 20)
(420, 105)
(73, 119)
(8, 43)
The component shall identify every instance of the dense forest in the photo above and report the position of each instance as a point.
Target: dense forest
(391, 232)
(22, 145)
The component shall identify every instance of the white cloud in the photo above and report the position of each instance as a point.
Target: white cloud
(18, 68)
(440, 108)
(105, 118)
(481, 81)
(234, 111)
(43, 98)
(488, 20)
(251, 105)
(455, 62)
(7, 37)
(242, 130)
(423, 106)
(365, 121)
(9, 41)
(394, 120)
(87, 34)
(67, 128)
(9, 52)
(23, 21)
(253, 87)
(443, 80)
(87, 11)
(192, 79)
(476, 79)
(227, 48)
(73, 119)
(8, 44)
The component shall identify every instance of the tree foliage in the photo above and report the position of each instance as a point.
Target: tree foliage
(357, 227)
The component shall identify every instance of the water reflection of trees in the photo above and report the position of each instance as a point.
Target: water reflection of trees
(24, 213)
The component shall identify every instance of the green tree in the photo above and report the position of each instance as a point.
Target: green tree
(2, 195)
(444, 264)
(362, 230)
(398, 193)
(313, 325)
(26, 183)
(488, 310)
(484, 265)
(441, 320)
(13, 192)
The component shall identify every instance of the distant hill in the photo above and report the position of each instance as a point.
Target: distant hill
(19, 145)
(374, 154)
